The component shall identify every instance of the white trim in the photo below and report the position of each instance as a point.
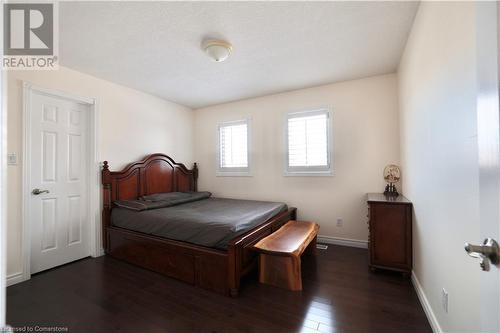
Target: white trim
(362, 244)
(25, 236)
(95, 207)
(235, 172)
(15, 278)
(96, 248)
(313, 171)
(222, 173)
(328, 173)
(3, 186)
(59, 94)
(425, 304)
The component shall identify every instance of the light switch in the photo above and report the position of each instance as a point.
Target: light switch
(12, 159)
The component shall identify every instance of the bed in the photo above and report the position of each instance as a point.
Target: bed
(205, 242)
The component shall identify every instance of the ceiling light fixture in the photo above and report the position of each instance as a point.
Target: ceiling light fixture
(218, 50)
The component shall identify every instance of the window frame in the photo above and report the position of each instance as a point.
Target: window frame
(314, 170)
(234, 171)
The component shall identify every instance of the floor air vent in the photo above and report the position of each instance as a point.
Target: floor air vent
(321, 246)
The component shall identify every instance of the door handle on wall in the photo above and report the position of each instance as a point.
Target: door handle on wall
(486, 252)
(37, 191)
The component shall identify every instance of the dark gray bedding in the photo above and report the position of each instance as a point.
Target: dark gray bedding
(211, 222)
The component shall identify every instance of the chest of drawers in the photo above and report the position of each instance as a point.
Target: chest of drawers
(390, 232)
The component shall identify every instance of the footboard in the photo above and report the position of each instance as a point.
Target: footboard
(241, 258)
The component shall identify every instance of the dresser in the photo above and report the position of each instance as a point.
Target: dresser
(390, 234)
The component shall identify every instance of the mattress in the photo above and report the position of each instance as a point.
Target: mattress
(210, 222)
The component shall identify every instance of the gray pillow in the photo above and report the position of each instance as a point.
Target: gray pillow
(161, 200)
(137, 205)
(176, 196)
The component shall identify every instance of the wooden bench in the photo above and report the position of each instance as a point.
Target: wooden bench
(279, 262)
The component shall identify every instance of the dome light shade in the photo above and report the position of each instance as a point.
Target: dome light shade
(218, 50)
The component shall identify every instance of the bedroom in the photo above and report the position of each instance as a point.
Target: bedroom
(291, 111)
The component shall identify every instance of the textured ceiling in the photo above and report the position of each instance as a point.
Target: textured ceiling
(277, 46)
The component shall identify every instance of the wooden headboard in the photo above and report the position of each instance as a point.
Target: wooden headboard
(156, 173)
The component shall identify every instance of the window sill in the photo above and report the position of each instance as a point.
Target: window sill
(233, 174)
(308, 174)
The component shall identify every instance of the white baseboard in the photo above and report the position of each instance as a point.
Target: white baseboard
(15, 278)
(425, 304)
(343, 241)
(99, 253)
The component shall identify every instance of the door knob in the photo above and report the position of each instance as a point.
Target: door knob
(37, 191)
(486, 253)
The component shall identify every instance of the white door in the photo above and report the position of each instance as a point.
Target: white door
(58, 205)
(488, 137)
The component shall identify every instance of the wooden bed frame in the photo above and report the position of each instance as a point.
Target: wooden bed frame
(208, 268)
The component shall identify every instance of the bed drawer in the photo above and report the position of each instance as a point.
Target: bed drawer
(158, 257)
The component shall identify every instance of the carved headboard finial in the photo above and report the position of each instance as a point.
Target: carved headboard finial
(105, 173)
(195, 171)
(195, 177)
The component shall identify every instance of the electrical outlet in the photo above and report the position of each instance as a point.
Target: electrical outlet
(340, 222)
(444, 300)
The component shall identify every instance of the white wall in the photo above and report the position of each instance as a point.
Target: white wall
(437, 86)
(365, 135)
(132, 124)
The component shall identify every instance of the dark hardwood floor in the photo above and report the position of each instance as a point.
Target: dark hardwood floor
(106, 295)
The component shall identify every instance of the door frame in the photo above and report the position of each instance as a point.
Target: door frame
(3, 192)
(94, 177)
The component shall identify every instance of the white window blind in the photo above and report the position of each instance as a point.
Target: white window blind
(308, 143)
(233, 147)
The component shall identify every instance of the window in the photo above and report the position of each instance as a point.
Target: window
(308, 143)
(233, 148)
